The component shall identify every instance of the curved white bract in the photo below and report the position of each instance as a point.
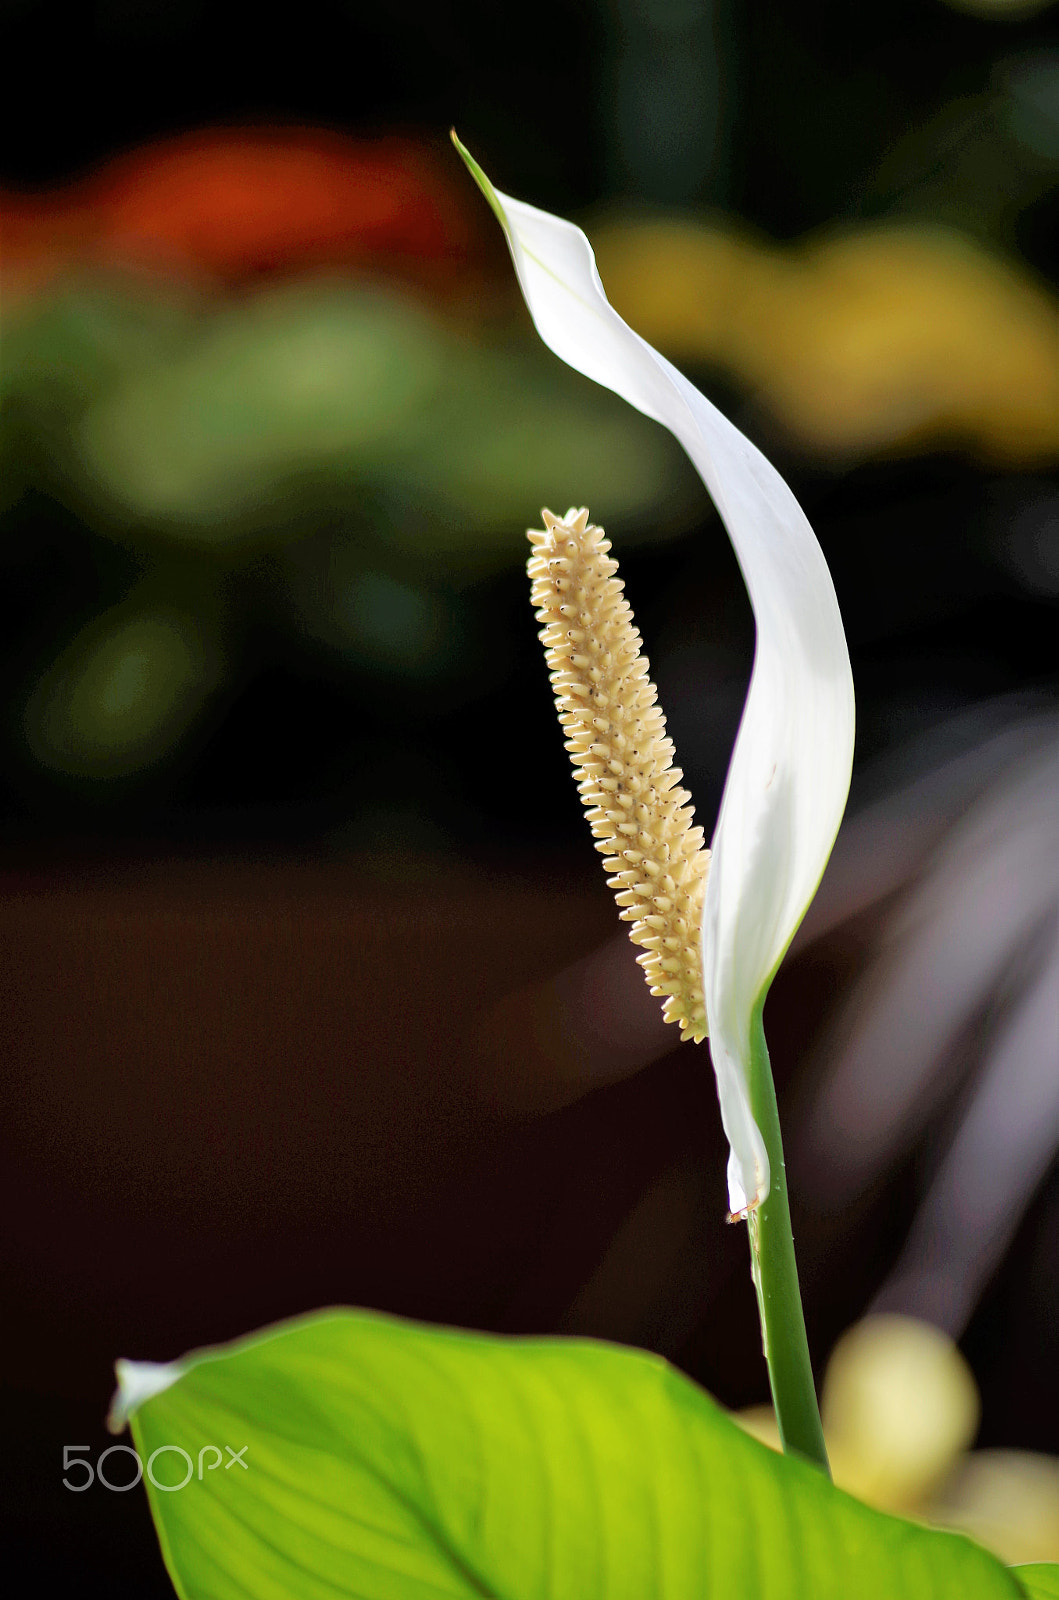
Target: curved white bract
(790, 769)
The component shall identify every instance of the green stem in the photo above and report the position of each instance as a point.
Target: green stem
(776, 1277)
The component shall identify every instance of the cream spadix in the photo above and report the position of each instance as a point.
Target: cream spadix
(789, 774)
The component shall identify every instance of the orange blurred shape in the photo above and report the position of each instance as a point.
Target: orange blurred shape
(237, 203)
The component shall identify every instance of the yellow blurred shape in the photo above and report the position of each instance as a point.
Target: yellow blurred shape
(899, 1407)
(684, 286)
(887, 337)
(760, 1423)
(1008, 1500)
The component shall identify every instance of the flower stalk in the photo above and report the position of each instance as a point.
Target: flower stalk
(775, 1273)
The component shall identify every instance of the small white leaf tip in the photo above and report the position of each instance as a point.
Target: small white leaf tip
(138, 1381)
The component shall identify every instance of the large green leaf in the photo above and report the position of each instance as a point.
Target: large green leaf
(1040, 1580)
(386, 1460)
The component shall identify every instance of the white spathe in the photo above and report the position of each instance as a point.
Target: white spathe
(789, 774)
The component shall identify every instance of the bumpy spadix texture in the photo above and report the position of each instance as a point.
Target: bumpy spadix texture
(623, 759)
(789, 773)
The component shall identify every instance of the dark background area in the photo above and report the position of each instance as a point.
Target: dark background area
(256, 994)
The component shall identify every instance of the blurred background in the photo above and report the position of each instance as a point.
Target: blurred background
(311, 990)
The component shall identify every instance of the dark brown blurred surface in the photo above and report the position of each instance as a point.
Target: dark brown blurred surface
(239, 1091)
(236, 1091)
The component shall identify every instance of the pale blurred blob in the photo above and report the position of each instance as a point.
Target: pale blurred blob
(899, 1406)
(900, 1410)
(894, 336)
(1008, 1500)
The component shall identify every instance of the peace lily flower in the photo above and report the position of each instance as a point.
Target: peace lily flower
(789, 774)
